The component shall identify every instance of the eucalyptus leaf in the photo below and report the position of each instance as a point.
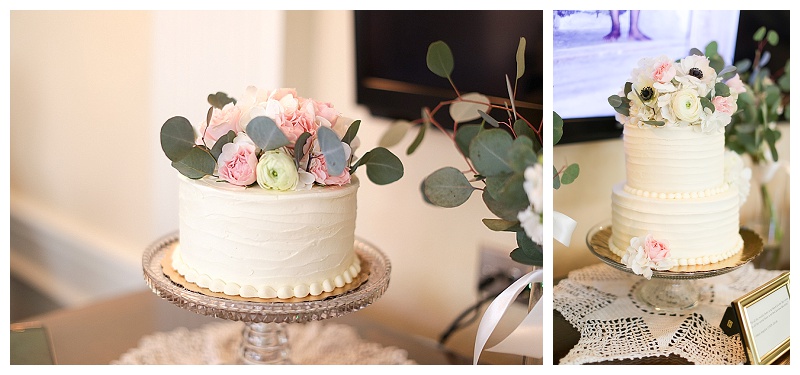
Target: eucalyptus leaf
(222, 141)
(299, 147)
(772, 38)
(654, 123)
(464, 135)
(711, 48)
(266, 134)
(447, 187)
(489, 119)
(765, 59)
(696, 52)
(220, 99)
(196, 164)
(467, 107)
(521, 155)
(570, 174)
(177, 138)
(760, 33)
(707, 104)
(615, 101)
(417, 140)
(500, 210)
(521, 57)
(500, 225)
(351, 132)
(331, 147)
(743, 65)
(531, 252)
(489, 152)
(521, 128)
(722, 89)
(383, 167)
(396, 132)
(556, 179)
(519, 256)
(440, 59)
(628, 89)
(558, 128)
(771, 138)
(511, 97)
(511, 194)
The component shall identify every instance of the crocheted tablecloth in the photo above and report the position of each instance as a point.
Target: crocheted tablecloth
(311, 343)
(598, 301)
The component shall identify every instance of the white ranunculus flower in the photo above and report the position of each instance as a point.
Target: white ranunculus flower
(276, 170)
(686, 105)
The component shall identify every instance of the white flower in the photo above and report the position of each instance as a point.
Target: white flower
(532, 223)
(694, 72)
(714, 122)
(276, 170)
(646, 254)
(737, 176)
(305, 180)
(686, 105)
(534, 187)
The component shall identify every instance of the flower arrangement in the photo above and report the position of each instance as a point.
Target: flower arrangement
(275, 140)
(646, 254)
(687, 92)
(503, 156)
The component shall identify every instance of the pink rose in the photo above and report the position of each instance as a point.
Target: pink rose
(324, 110)
(237, 162)
(222, 121)
(656, 250)
(320, 171)
(724, 104)
(736, 85)
(278, 94)
(663, 71)
(295, 123)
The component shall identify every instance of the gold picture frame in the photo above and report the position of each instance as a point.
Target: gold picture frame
(763, 316)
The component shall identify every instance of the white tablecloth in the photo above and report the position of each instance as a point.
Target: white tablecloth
(313, 343)
(598, 301)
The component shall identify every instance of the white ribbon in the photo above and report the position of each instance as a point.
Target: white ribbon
(526, 339)
(563, 226)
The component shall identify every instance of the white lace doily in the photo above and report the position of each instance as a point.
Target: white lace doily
(311, 343)
(598, 301)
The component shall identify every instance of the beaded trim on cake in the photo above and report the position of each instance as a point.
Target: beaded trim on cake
(699, 261)
(679, 195)
(265, 291)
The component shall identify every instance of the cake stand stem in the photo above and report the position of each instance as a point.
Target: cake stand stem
(669, 295)
(264, 344)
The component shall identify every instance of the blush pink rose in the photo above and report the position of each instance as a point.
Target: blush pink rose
(320, 171)
(222, 121)
(656, 250)
(278, 94)
(295, 123)
(724, 104)
(237, 162)
(663, 72)
(736, 85)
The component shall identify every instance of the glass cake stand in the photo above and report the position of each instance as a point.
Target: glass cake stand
(673, 290)
(264, 338)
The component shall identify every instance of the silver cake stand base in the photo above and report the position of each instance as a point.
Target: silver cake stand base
(673, 290)
(264, 338)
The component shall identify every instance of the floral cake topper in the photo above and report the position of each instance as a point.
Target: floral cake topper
(686, 92)
(646, 254)
(276, 140)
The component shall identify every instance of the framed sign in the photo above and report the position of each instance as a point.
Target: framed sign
(763, 316)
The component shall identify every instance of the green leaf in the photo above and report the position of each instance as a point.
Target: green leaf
(771, 138)
(558, 128)
(707, 104)
(520, 256)
(521, 155)
(177, 138)
(728, 72)
(696, 52)
(786, 112)
(383, 167)
(498, 208)
(760, 33)
(417, 140)
(265, 134)
(220, 99)
(396, 132)
(711, 49)
(570, 174)
(489, 152)
(331, 147)
(351, 132)
(489, 119)
(528, 251)
(556, 179)
(722, 89)
(196, 164)
(743, 65)
(654, 123)
(222, 141)
(511, 193)
(468, 107)
(772, 38)
(440, 59)
(521, 57)
(299, 147)
(447, 187)
(464, 136)
(500, 225)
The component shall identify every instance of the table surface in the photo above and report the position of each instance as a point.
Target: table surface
(100, 333)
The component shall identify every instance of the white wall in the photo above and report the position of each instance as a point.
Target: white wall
(90, 91)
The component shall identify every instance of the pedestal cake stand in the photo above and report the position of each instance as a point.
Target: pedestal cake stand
(673, 290)
(264, 338)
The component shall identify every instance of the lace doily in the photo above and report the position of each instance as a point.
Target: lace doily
(311, 343)
(598, 301)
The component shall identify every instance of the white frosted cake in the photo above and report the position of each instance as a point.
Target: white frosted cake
(679, 204)
(262, 243)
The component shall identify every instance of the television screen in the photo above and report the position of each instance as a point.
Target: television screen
(392, 76)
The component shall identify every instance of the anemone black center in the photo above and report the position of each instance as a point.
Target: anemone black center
(647, 93)
(696, 72)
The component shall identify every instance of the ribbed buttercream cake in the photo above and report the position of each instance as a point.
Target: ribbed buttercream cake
(254, 242)
(675, 190)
